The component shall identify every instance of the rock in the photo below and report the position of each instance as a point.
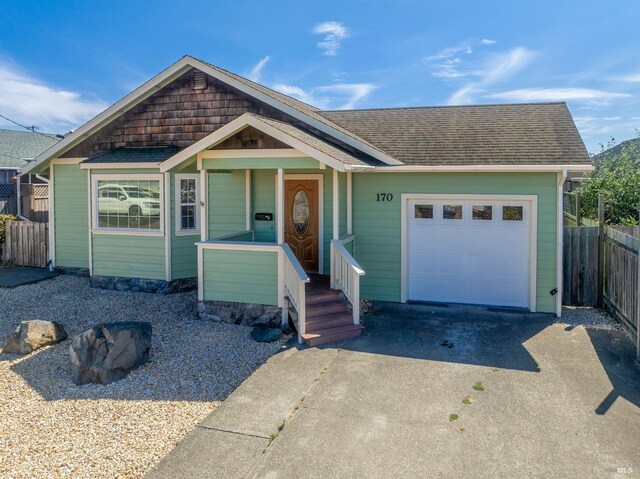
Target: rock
(262, 334)
(32, 335)
(107, 352)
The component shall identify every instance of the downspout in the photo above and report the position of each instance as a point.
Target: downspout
(562, 177)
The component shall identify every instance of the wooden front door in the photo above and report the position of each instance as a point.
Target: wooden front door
(301, 221)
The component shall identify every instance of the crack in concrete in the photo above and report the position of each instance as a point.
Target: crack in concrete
(239, 433)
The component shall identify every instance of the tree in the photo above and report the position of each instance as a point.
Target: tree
(617, 177)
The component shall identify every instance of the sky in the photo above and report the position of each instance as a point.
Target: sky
(62, 62)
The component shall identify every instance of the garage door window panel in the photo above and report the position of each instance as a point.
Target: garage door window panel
(482, 212)
(452, 212)
(512, 213)
(423, 211)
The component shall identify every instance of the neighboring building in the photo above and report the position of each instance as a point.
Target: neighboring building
(17, 149)
(201, 173)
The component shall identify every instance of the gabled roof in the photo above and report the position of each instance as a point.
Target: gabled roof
(297, 138)
(142, 154)
(516, 134)
(17, 148)
(295, 108)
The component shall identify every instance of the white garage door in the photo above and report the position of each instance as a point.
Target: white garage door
(472, 251)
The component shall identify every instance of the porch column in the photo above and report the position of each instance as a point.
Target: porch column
(349, 202)
(336, 227)
(204, 210)
(336, 206)
(247, 199)
(280, 205)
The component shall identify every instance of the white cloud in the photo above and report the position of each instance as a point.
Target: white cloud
(296, 92)
(452, 62)
(333, 33)
(340, 96)
(31, 101)
(632, 78)
(556, 94)
(256, 71)
(350, 93)
(499, 68)
(450, 52)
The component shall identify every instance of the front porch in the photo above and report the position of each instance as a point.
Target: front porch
(275, 216)
(245, 267)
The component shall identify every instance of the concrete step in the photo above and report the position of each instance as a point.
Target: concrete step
(334, 334)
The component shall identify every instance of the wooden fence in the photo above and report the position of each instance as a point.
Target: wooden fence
(580, 266)
(35, 202)
(621, 293)
(601, 268)
(26, 243)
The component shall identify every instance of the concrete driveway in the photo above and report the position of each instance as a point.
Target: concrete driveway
(558, 401)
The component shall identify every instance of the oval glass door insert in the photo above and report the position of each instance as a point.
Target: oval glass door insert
(301, 212)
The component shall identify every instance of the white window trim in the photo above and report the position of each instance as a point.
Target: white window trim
(95, 229)
(178, 218)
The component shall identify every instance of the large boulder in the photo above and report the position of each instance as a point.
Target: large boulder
(107, 352)
(31, 335)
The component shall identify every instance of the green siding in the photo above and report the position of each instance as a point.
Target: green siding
(71, 211)
(184, 253)
(263, 200)
(378, 224)
(240, 276)
(129, 256)
(226, 203)
(258, 163)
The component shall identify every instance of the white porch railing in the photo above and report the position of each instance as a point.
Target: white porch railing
(294, 281)
(291, 276)
(345, 276)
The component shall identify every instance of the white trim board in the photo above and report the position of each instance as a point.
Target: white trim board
(119, 166)
(252, 153)
(176, 198)
(533, 235)
(481, 168)
(320, 179)
(132, 232)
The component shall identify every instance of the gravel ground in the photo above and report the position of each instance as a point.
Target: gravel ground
(588, 317)
(51, 428)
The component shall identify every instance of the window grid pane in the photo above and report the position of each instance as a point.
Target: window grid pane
(512, 213)
(129, 204)
(482, 212)
(188, 197)
(452, 212)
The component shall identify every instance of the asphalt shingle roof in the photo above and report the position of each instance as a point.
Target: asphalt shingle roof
(515, 134)
(320, 144)
(302, 107)
(150, 154)
(16, 145)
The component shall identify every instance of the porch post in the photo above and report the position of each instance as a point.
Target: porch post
(280, 205)
(349, 202)
(247, 199)
(336, 227)
(204, 210)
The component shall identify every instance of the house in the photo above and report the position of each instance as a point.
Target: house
(17, 149)
(202, 175)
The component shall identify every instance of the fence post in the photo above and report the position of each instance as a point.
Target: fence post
(638, 303)
(578, 207)
(600, 249)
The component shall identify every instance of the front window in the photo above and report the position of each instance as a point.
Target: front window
(128, 204)
(187, 203)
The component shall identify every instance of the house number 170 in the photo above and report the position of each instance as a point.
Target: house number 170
(384, 197)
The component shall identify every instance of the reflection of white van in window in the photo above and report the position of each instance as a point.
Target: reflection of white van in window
(124, 199)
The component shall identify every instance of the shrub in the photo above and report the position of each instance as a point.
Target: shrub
(3, 220)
